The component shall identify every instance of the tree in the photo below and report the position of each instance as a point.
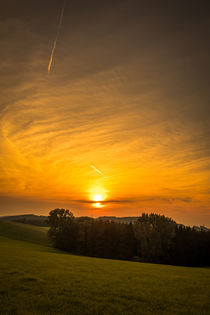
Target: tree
(152, 238)
(155, 235)
(61, 222)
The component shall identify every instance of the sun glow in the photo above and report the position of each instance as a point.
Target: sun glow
(97, 194)
(97, 197)
(98, 205)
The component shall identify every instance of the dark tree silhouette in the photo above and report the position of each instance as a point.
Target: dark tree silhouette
(152, 238)
(155, 235)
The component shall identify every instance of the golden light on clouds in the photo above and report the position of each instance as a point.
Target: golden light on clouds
(98, 205)
(121, 117)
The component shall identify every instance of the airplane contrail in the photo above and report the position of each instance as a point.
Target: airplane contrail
(97, 170)
(56, 37)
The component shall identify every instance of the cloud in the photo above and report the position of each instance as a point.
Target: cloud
(138, 200)
(108, 201)
(166, 199)
(130, 96)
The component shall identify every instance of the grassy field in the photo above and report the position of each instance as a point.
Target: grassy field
(37, 279)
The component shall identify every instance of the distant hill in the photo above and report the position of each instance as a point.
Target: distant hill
(38, 220)
(119, 219)
(41, 220)
(134, 219)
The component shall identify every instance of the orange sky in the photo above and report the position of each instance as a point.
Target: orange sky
(127, 93)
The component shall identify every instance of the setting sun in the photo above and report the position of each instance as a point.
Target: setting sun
(97, 197)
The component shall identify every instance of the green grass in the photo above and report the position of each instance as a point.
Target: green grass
(24, 232)
(36, 279)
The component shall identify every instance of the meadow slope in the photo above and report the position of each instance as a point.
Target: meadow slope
(37, 279)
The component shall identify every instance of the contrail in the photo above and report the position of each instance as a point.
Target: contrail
(99, 172)
(56, 37)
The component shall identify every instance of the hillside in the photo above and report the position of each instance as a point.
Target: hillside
(24, 232)
(36, 279)
(38, 220)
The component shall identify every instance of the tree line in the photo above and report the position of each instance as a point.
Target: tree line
(152, 238)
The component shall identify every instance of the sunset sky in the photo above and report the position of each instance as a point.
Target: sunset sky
(121, 123)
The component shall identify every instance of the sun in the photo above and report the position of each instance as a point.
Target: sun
(97, 197)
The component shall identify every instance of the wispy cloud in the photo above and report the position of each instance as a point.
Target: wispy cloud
(97, 170)
(108, 201)
(120, 99)
(56, 37)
